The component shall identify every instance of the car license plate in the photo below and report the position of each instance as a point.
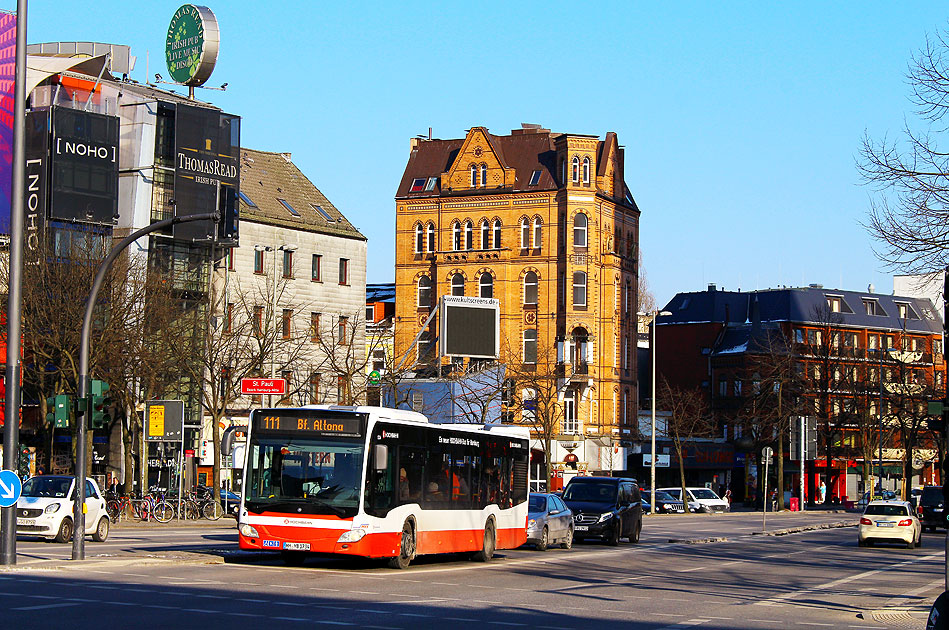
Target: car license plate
(581, 528)
(25, 521)
(296, 546)
(884, 524)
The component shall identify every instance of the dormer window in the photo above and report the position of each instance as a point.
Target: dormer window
(418, 184)
(535, 178)
(286, 204)
(833, 304)
(430, 185)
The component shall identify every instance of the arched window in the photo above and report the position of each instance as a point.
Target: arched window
(530, 288)
(538, 225)
(484, 174)
(424, 292)
(530, 345)
(586, 170)
(575, 170)
(469, 235)
(431, 237)
(485, 234)
(497, 234)
(577, 347)
(456, 236)
(579, 288)
(525, 233)
(457, 284)
(486, 285)
(419, 244)
(474, 175)
(580, 230)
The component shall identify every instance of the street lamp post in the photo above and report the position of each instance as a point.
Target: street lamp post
(880, 460)
(652, 431)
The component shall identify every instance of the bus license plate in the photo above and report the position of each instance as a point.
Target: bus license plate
(25, 521)
(296, 546)
(581, 528)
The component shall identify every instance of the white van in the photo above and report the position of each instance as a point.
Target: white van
(705, 497)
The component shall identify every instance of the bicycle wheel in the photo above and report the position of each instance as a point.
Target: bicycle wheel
(192, 511)
(113, 508)
(164, 512)
(140, 509)
(212, 510)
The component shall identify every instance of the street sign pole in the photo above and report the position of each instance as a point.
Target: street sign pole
(766, 453)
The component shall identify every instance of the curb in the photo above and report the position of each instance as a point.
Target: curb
(113, 561)
(697, 541)
(805, 528)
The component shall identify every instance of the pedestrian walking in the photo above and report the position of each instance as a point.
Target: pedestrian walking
(823, 491)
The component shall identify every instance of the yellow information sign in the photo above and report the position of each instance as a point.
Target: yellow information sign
(156, 420)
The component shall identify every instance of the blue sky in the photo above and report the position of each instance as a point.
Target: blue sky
(741, 121)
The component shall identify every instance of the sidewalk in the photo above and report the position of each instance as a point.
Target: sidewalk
(227, 522)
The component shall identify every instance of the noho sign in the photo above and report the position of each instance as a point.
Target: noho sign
(263, 386)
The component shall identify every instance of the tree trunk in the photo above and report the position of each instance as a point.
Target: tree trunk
(216, 465)
(548, 468)
(685, 494)
(128, 442)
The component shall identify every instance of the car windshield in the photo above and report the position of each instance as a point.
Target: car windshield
(49, 487)
(703, 493)
(596, 492)
(537, 503)
(664, 496)
(887, 510)
(304, 476)
(673, 492)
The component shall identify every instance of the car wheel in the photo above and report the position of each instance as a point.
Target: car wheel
(612, 539)
(637, 530)
(406, 548)
(102, 530)
(567, 544)
(919, 541)
(65, 531)
(544, 540)
(489, 544)
(861, 543)
(911, 544)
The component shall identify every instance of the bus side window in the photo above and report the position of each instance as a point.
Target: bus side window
(411, 464)
(380, 485)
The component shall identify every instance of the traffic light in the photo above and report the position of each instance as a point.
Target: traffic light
(23, 462)
(58, 411)
(100, 403)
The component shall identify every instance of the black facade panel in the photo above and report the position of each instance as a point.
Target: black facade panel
(84, 166)
(37, 183)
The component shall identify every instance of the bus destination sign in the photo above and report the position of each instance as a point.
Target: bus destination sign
(345, 425)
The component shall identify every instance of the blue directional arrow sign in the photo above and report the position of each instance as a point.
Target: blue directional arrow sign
(10, 488)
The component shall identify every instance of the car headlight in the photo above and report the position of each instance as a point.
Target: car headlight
(605, 517)
(52, 508)
(353, 535)
(249, 531)
(666, 506)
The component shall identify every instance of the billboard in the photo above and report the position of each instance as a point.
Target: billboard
(207, 172)
(84, 166)
(469, 327)
(7, 79)
(37, 181)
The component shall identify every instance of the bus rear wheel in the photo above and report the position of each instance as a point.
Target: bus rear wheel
(489, 545)
(406, 548)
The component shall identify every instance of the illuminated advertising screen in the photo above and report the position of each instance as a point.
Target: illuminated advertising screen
(310, 422)
(7, 77)
(84, 166)
(207, 172)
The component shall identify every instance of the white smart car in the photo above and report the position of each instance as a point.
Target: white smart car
(706, 498)
(889, 521)
(45, 508)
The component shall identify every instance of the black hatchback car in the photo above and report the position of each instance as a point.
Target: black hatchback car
(608, 508)
(932, 508)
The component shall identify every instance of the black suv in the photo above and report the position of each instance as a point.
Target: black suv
(609, 508)
(933, 511)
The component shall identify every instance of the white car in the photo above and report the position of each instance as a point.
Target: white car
(709, 501)
(890, 521)
(45, 508)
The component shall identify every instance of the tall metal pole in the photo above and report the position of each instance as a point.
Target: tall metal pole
(11, 410)
(880, 462)
(79, 539)
(652, 432)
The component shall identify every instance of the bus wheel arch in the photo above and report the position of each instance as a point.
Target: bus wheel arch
(407, 545)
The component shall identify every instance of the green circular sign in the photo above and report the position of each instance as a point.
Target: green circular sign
(374, 377)
(192, 44)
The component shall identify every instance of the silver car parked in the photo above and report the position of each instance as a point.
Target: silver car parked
(549, 521)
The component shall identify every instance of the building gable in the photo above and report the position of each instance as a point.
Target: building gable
(481, 153)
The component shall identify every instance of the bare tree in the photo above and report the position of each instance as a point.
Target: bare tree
(688, 419)
(909, 216)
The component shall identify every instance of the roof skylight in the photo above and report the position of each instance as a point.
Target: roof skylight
(535, 178)
(322, 212)
(246, 199)
(287, 205)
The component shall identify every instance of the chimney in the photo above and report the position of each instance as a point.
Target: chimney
(711, 287)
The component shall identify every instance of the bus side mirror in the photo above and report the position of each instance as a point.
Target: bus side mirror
(380, 457)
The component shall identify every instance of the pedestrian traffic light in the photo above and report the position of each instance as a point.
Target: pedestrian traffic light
(58, 411)
(100, 404)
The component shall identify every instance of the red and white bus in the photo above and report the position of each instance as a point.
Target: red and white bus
(381, 483)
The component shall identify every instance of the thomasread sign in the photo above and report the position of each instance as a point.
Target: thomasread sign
(192, 44)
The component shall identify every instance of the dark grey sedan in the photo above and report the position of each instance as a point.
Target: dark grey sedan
(549, 521)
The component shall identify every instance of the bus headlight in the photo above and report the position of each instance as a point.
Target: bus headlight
(249, 531)
(353, 535)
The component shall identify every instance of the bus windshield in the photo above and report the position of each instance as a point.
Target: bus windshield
(304, 476)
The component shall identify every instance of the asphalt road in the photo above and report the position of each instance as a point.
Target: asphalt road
(812, 579)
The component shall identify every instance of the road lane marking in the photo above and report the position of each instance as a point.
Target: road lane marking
(44, 606)
(686, 624)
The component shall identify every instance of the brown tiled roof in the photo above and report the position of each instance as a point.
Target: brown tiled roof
(267, 177)
(524, 152)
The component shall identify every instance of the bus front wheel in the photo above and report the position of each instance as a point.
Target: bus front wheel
(406, 548)
(489, 544)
